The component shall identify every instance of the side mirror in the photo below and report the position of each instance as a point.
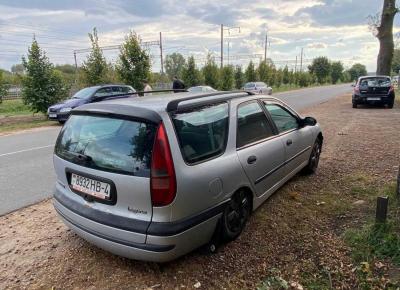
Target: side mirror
(308, 121)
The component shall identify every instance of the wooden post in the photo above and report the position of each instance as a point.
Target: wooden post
(398, 184)
(381, 209)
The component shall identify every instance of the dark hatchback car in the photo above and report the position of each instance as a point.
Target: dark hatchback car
(373, 90)
(60, 112)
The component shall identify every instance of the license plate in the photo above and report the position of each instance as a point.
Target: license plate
(373, 99)
(52, 115)
(90, 186)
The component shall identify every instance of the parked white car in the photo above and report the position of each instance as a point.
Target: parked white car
(258, 88)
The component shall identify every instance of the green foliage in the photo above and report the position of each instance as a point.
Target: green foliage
(3, 89)
(227, 78)
(264, 72)
(321, 68)
(18, 68)
(304, 79)
(239, 77)
(134, 62)
(396, 62)
(42, 85)
(14, 107)
(211, 73)
(95, 67)
(357, 70)
(336, 71)
(191, 75)
(175, 65)
(286, 75)
(251, 74)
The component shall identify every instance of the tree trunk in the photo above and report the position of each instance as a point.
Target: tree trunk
(385, 37)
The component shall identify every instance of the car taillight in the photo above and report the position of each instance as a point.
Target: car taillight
(162, 176)
(357, 89)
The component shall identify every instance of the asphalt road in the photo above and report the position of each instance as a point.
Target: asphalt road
(26, 169)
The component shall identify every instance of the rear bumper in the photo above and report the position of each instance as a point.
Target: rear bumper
(161, 247)
(372, 99)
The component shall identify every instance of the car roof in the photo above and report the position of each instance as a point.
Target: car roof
(164, 102)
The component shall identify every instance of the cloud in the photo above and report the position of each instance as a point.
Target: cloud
(317, 45)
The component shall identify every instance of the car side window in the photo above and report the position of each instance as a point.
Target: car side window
(202, 132)
(116, 90)
(282, 118)
(103, 92)
(252, 124)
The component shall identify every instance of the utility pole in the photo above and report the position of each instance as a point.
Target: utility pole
(265, 48)
(222, 40)
(222, 45)
(161, 54)
(76, 68)
(301, 60)
(295, 65)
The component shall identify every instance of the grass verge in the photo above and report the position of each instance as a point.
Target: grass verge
(24, 125)
(14, 108)
(374, 244)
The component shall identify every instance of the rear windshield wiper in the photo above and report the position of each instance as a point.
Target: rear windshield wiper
(81, 157)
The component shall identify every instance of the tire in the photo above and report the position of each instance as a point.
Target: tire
(354, 105)
(313, 161)
(391, 104)
(61, 122)
(235, 216)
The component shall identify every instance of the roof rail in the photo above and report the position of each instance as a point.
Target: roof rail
(173, 105)
(142, 93)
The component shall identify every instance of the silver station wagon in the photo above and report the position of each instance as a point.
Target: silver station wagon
(155, 177)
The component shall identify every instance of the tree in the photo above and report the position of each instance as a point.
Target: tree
(174, 65)
(191, 75)
(357, 70)
(3, 89)
(95, 66)
(42, 85)
(227, 78)
(251, 74)
(383, 30)
(396, 62)
(133, 65)
(336, 71)
(321, 68)
(264, 72)
(239, 77)
(286, 75)
(211, 72)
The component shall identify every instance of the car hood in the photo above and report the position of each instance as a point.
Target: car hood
(70, 103)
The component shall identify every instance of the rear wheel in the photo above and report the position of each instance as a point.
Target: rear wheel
(314, 158)
(235, 215)
(391, 103)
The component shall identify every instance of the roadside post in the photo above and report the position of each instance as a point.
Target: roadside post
(398, 184)
(381, 209)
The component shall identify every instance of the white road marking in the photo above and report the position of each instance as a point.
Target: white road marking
(26, 150)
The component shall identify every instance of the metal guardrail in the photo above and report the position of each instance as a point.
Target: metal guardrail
(14, 92)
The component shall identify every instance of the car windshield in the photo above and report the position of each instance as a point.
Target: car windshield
(108, 144)
(195, 89)
(84, 93)
(250, 85)
(375, 82)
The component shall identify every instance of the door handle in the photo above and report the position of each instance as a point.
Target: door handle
(252, 159)
(289, 142)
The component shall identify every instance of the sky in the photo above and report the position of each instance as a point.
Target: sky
(337, 29)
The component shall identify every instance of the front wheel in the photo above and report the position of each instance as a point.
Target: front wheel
(354, 105)
(314, 158)
(235, 216)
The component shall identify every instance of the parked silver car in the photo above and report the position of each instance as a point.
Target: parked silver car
(153, 178)
(258, 88)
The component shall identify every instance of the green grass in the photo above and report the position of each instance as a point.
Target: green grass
(13, 108)
(26, 125)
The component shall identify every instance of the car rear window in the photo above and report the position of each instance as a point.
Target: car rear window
(202, 132)
(114, 145)
(375, 82)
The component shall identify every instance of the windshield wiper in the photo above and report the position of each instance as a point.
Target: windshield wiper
(81, 157)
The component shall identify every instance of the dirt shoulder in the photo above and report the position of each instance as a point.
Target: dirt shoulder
(13, 124)
(296, 236)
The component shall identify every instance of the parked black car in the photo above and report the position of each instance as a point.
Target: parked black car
(373, 90)
(60, 112)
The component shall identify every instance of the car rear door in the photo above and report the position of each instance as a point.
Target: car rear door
(297, 139)
(261, 152)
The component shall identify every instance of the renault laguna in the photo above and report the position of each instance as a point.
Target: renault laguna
(155, 177)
